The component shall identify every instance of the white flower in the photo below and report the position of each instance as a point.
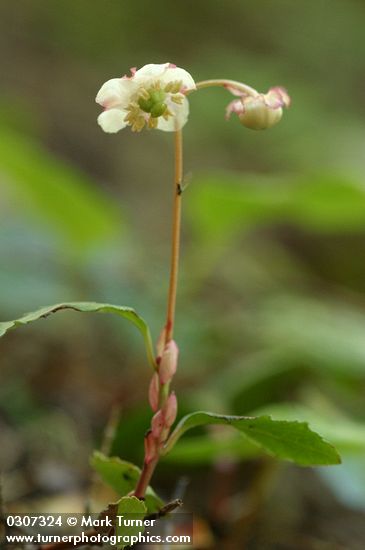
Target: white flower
(260, 111)
(153, 96)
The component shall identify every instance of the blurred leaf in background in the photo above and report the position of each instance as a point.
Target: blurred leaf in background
(271, 300)
(67, 202)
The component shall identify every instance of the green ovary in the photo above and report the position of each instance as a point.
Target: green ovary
(154, 104)
(158, 109)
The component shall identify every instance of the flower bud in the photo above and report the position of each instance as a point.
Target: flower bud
(258, 116)
(168, 364)
(260, 111)
(154, 392)
(158, 424)
(170, 410)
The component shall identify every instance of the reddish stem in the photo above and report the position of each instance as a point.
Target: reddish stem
(176, 230)
(145, 478)
(149, 467)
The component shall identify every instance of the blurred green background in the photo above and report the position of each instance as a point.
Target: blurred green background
(271, 307)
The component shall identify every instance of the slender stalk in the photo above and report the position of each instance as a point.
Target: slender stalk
(176, 230)
(239, 86)
(149, 467)
(145, 478)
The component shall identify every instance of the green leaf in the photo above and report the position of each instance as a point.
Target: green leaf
(132, 509)
(125, 312)
(345, 433)
(292, 440)
(123, 476)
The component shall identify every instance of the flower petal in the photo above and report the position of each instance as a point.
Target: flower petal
(235, 106)
(150, 71)
(178, 120)
(112, 120)
(172, 74)
(114, 92)
(277, 97)
(284, 95)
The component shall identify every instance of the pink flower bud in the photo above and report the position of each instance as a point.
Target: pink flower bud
(170, 410)
(168, 364)
(157, 424)
(154, 392)
(259, 111)
(150, 447)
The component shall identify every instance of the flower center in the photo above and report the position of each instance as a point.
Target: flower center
(153, 101)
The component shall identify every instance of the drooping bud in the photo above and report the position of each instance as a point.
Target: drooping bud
(170, 410)
(150, 447)
(158, 424)
(256, 115)
(260, 111)
(168, 363)
(154, 392)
